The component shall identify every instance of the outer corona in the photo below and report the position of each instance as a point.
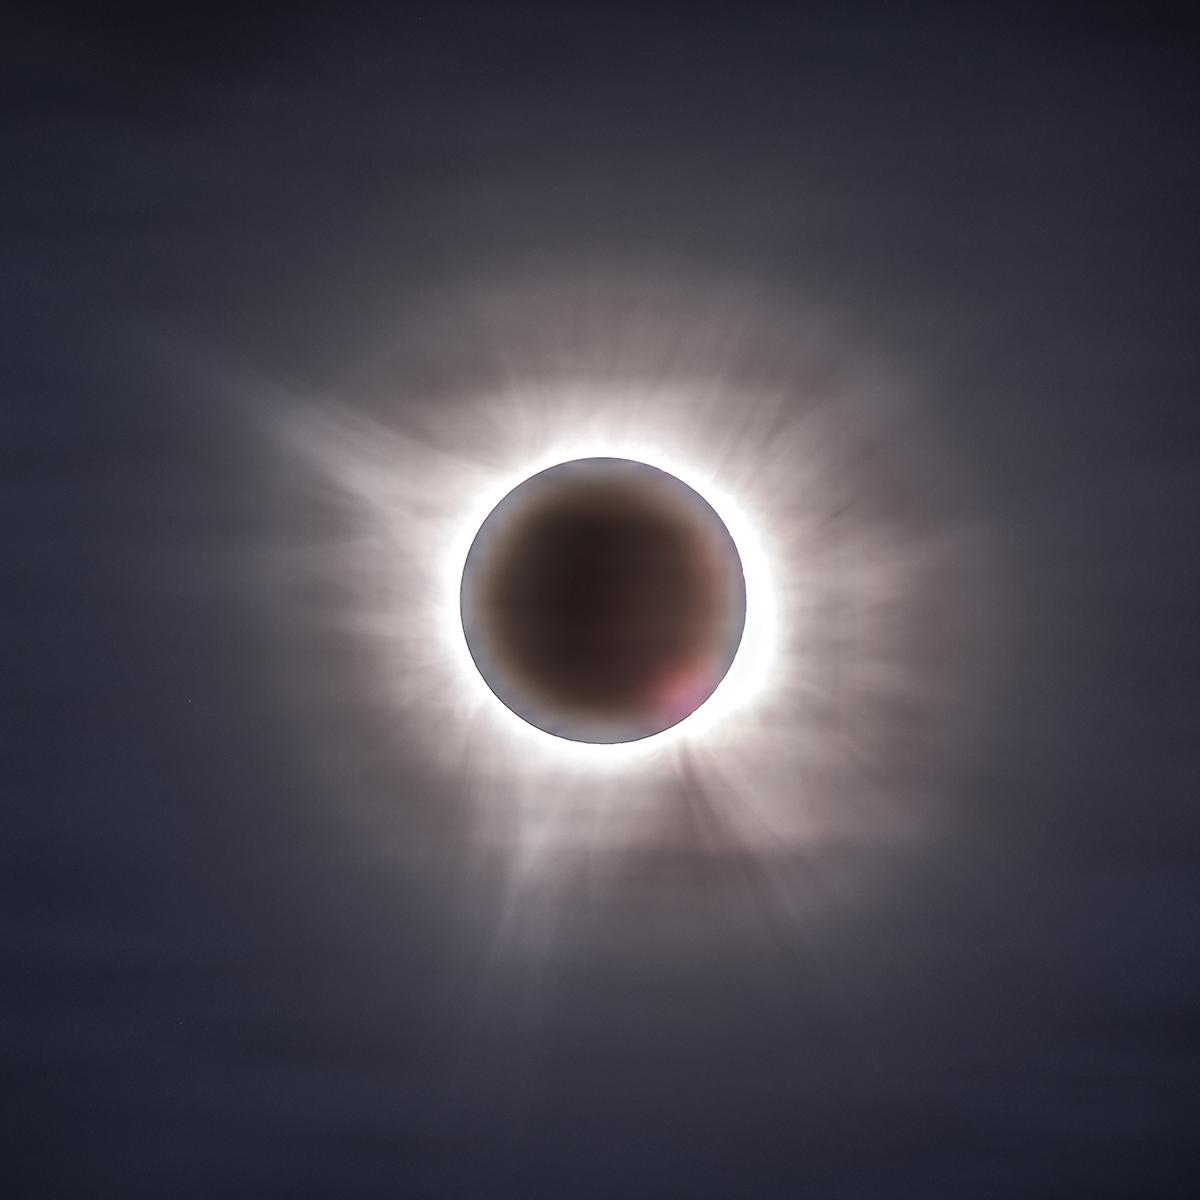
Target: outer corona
(603, 600)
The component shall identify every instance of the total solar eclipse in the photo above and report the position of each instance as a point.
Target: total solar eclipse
(603, 600)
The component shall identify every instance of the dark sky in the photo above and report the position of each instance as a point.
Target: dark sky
(213, 985)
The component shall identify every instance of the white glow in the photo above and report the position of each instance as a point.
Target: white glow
(847, 691)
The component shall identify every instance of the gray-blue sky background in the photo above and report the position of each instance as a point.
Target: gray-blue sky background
(211, 987)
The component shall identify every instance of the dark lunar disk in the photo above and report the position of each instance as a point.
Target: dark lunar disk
(603, 600)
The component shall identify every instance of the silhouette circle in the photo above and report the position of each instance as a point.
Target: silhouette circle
(603, 600)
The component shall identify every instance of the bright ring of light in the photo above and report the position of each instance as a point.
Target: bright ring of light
(742, 685)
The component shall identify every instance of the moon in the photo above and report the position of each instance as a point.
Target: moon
(603, 600)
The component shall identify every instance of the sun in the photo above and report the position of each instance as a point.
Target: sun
(749, 670)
